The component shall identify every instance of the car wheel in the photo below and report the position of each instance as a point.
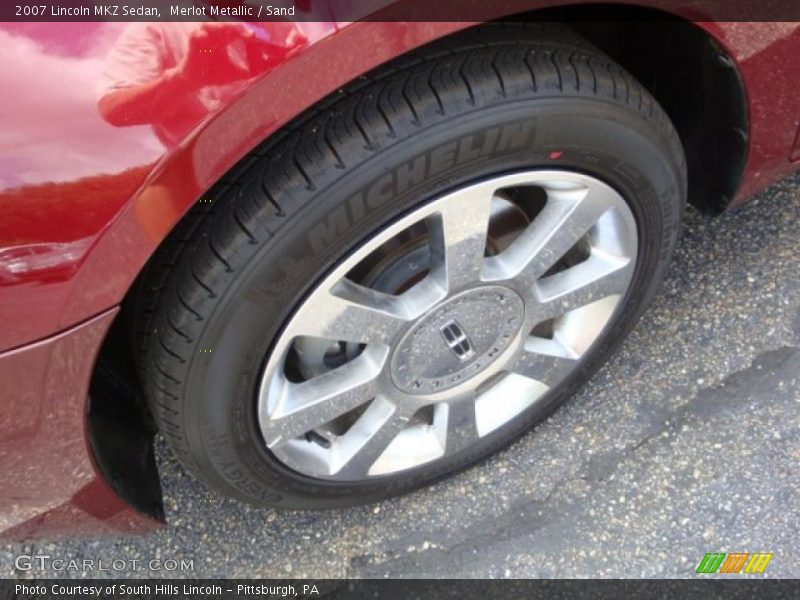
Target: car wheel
(414, 273)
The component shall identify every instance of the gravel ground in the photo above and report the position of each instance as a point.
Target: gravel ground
(687, 442)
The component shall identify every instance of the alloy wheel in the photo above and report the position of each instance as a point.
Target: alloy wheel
(447, 325)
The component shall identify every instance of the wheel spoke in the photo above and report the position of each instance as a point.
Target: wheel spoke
(352, 313)
(368, 438)
(562, 250)
(462, 430)
(548, 361)
(565, 219)
(458, 236)
(301, 407)
(594, 279)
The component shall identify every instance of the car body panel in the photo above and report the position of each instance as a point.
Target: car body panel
(84, 203)
(53, 486)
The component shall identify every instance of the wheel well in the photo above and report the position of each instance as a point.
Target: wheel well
(120, 428)
(690, 75)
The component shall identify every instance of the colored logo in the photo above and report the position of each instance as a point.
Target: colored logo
(735, 562)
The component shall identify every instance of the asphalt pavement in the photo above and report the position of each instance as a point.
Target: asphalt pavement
(687, 442)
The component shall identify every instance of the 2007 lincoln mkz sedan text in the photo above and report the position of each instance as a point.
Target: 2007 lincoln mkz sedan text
(333, 262)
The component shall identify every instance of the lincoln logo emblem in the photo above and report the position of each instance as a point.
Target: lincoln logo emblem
(457, 340)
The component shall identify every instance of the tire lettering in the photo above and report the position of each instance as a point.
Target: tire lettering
(411, 174)
(442, 158)
(325, 233)
(467, 150)
(514, 136)
(381, 191)
(508, 138)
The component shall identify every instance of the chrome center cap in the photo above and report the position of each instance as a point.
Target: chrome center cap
(457, 340)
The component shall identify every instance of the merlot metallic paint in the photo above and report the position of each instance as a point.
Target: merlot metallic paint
(83, 205)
